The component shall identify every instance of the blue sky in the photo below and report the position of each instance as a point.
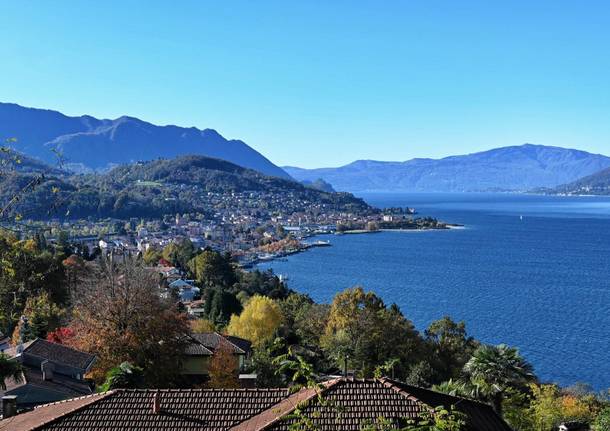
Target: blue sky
(323, 83)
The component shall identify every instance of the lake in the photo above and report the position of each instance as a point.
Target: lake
(529, 271)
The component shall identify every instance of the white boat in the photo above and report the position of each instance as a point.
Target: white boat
(266, 256)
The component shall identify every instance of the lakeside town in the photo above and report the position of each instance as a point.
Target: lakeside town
(252, 226)
(304, 216)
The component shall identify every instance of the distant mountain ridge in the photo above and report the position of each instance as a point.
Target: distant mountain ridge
(92, 143)
(515, 168)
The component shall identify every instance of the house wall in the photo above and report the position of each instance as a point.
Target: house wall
(197, 365)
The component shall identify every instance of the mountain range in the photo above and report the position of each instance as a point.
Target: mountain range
(515, 168)
(88, 143)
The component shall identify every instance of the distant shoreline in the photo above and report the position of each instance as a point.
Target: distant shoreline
(446, 226)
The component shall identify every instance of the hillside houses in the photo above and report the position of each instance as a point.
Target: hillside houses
(51, 372)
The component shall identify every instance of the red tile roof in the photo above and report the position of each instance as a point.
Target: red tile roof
(126, 409)
(351, 402)
(37, 418)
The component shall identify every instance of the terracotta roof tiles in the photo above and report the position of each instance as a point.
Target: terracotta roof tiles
(350, 404)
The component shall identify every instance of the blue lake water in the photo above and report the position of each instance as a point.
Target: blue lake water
(541, 283)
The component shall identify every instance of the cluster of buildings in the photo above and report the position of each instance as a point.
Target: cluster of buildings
(52, 372)
(59, 400)
(237, 222)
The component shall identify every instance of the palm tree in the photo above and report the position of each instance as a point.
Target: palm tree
(9, 368)
(495, 369)
(124, 376)
(456, 388)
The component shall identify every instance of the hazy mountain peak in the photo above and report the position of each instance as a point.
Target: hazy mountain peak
(211, 133)
(512, 168)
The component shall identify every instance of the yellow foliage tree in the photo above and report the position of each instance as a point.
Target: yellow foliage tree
(202, 326)
(549, 407)
(258, 321)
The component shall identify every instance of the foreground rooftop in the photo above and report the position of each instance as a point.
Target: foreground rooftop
(355, 401)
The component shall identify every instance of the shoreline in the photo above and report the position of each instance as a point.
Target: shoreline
(448, 226)
(322, 243)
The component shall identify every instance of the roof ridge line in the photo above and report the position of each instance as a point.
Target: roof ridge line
(278, 411)
(458, 398)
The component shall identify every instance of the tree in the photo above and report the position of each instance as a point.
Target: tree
(76, 270)
(10, 161)
(122, 317)
(263, 364)
(516, 410)
(549, 406)
(223, 368)
(495, 369)
(304, 322)
(202, 326)
(342, 227)
(258, 322)
(220, 305)
(440, 419)
(264, 283)
(364, 331)
(124, 376)
(152, 256)
(372, 226)
(212, 269)
(27, 271)
(602, 421)
(450, 347)
(61, 335)
(9, 369)
(179, 253)
(456, 388)
(421, 374)
(42, 316)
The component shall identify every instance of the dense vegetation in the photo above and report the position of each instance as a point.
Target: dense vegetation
(153, 189)
(113, 309)
(121, 312)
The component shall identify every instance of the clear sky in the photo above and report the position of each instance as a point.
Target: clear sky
(322, 83)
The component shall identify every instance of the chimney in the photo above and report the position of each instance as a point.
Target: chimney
(156, 407)
(47, 369)
(9, 406)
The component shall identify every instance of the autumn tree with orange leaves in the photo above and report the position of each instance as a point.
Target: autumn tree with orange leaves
(120, 316)
(223, 368)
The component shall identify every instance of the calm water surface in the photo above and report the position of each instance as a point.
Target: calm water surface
(541, 283)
